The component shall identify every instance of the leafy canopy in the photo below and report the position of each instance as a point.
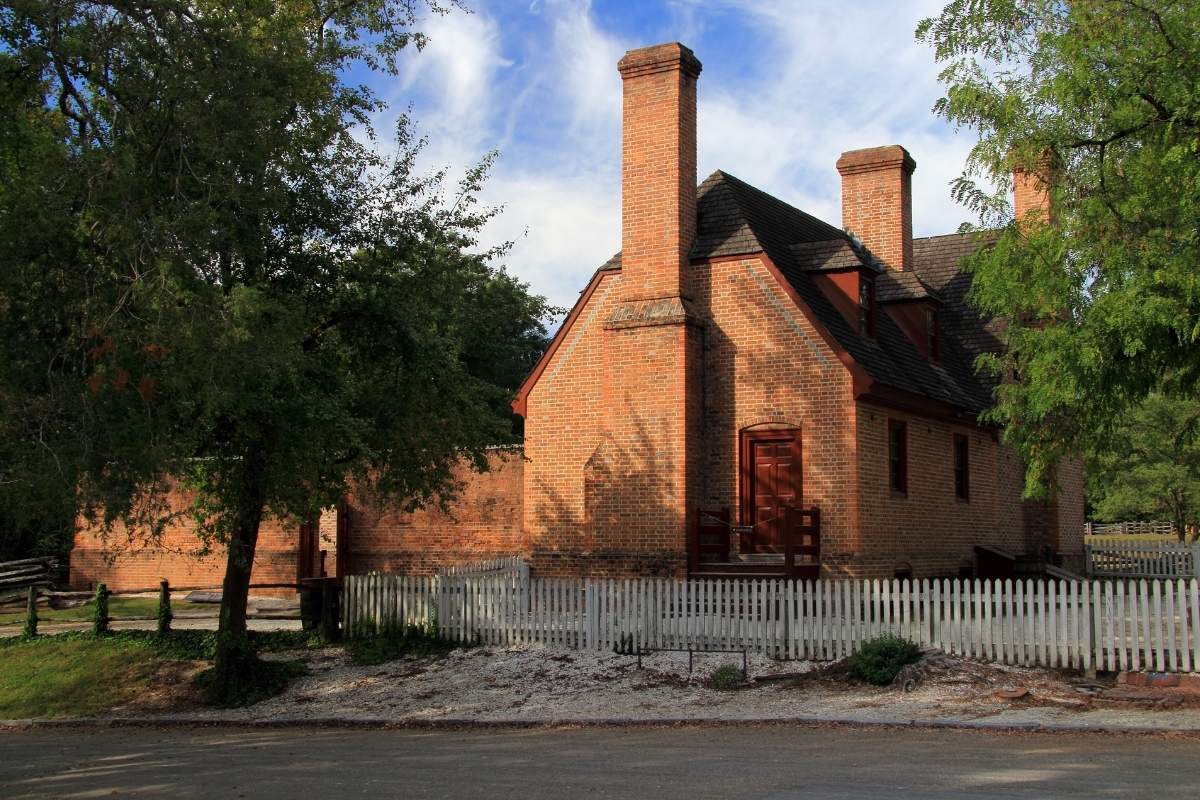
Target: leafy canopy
(1101, 99)
(211, 273)
(1151, 469)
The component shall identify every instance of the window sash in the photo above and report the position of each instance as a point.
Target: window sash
(962, 467)
(898, 456)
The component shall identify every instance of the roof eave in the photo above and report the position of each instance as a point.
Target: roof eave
(520, 403)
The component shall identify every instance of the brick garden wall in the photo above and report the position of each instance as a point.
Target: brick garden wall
(127, 562)
(483, 523)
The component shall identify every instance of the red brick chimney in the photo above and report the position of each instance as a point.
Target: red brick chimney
(1031, 194)
(658, 172)
(877, 201)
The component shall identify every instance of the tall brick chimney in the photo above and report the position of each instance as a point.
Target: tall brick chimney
(658, 169)
(1030, 193)
(645, 477)
(877, 201)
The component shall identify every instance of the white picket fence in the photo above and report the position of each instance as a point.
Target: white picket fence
(1106, 625)
(1126, 558)
(1128, 528)
(513, 566)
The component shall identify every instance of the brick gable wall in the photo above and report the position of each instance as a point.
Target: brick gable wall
(765, 364)
(602, 479)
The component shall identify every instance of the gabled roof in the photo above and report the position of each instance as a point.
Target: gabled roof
(833, 254)
(897, 287)
(938, 262)
(734, 218)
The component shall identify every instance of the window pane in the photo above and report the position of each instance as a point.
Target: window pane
(897, 456)
(962, 468)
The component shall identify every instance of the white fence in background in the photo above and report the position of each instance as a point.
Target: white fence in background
(508, 566)
(1106, 625)
(1126, 558)
(1128, 528)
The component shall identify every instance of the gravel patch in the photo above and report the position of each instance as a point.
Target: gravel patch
(535, 684)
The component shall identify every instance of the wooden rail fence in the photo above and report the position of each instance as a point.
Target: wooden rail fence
(1128, 528)
(1105, 625)
(1125, 558)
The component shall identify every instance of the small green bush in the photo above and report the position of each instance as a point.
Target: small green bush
(880, 660)
(165, 615)
(726, 677)
(100, 613)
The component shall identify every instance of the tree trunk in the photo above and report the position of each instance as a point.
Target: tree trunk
(234, 662)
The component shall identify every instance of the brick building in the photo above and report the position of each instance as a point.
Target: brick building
(740, 359)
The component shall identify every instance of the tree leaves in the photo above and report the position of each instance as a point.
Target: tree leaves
(207, 268)
(1101, 99)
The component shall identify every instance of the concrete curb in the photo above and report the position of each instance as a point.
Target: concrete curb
(105, 723)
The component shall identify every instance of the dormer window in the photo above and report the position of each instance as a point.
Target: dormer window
(933, 334)
(866, 306)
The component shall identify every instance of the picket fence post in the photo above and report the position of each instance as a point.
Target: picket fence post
(1091, 624)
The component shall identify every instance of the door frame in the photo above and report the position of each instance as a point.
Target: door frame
(747, 439)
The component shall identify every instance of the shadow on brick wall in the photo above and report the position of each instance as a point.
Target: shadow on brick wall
(624, 520)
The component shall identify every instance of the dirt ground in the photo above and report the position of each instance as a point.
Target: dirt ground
(536, 684)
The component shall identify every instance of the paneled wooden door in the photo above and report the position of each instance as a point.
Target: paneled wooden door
(771, 483)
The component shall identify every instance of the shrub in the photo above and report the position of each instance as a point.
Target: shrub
(880, 660)
(726, 677)
(165, 615)
(100, 613)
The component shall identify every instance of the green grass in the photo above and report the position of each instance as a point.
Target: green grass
(118, 608)
(78, 674)
(261, 681)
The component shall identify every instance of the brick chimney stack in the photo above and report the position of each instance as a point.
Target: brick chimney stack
(658, 169)
(877, 201)
(1030, 193)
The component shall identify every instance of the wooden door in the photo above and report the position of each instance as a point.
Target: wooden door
(773, 471)
(308, 552)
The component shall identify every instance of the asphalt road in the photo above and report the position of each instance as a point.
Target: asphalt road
(660, 764)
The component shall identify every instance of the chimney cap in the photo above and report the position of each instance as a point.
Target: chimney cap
(659, 58)
(871, 159)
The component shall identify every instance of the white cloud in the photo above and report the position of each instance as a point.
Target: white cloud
(787, 86)
(562, 229)
(458, 67)
(832, 77)
(585, 69)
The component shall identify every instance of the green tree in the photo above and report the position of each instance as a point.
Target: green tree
(211, 278)
(1101, 100)
(1151, 467)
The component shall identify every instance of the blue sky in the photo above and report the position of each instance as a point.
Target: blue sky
(787, 86)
